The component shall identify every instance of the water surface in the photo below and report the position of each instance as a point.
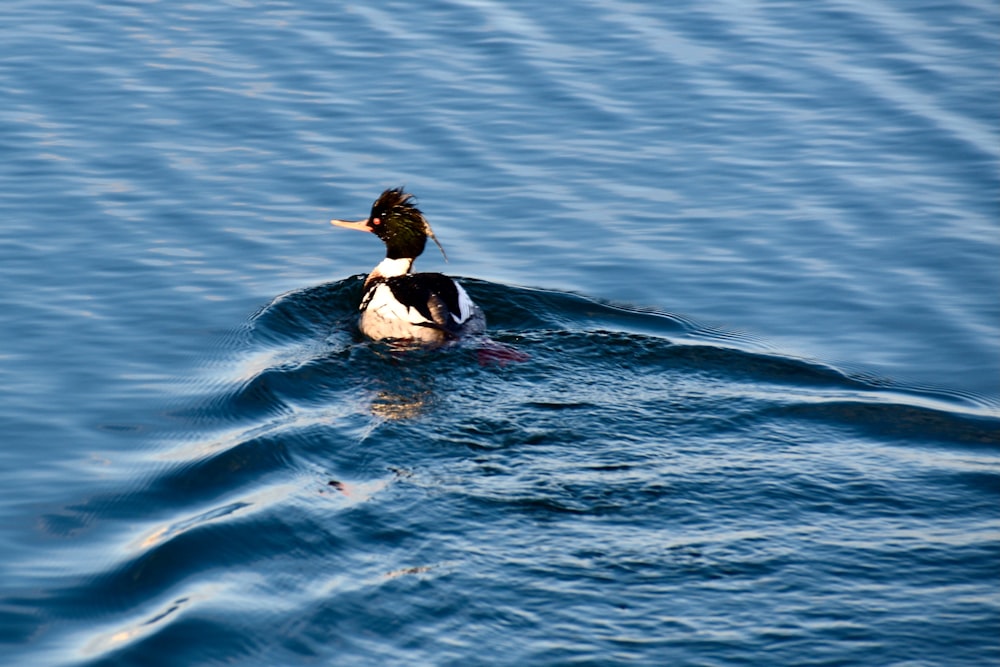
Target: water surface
(739, 261)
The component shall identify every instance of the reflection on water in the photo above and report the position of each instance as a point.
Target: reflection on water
(395, 405)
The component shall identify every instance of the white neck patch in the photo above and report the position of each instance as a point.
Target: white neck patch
(388, 268)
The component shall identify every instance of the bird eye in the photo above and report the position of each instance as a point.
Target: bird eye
(376, 221)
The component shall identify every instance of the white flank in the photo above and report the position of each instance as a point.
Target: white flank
(465, 306)
(384, 304)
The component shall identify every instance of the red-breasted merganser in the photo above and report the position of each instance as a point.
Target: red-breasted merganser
(421, 307)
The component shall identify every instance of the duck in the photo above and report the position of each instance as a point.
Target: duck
(396, 304)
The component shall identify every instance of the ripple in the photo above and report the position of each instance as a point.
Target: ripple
(334, 483)
(596, 482)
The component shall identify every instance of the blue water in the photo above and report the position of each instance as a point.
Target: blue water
(741, 399)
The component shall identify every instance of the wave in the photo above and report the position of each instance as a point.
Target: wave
(306, 443)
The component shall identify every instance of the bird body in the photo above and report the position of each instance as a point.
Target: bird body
(427, 308)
